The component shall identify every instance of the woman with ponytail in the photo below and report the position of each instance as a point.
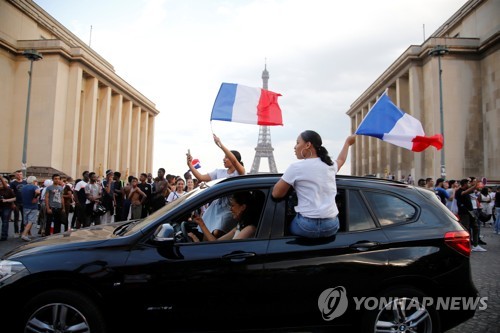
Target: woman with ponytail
(218, 217)
(313, 178)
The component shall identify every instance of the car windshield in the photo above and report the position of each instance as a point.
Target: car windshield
(139, 224)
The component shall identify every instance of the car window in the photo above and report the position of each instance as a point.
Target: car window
(390, 209)
(220, 220)
(359, 216)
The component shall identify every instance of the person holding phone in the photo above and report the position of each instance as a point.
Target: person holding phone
(242, 208)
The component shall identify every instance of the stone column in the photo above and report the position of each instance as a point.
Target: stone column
(72, 120)
(125, 144)
(364, 147)
(382, 159)
(150, 144)
(135, 142)
(359, 150)
(405, 156)
(143, 144)
(115, 134)
(102, 130)
(416, 102)
(353, 147)
(393, 151)
(87, 129)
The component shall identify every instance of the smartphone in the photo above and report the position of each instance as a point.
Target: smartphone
(189, 151)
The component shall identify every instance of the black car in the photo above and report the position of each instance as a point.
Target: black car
(398, 253)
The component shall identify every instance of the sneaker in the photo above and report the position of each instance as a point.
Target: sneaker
(26, 238)
(478, 249)
(481, 242)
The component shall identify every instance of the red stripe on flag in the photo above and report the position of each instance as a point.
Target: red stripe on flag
(420, 143)
(268, 110)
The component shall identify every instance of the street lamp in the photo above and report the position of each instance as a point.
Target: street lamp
(439, 51)
(32, 55)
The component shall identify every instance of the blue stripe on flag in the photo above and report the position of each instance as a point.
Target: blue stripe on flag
(223, 105)
(381, 118)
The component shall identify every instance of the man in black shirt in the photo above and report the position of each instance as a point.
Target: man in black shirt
(17, 185)
(118, 195)
(466, 212)
(147, 189)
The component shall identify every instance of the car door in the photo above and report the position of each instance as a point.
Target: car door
(203, 285)
(298, 270)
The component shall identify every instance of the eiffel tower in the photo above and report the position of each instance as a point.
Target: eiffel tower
(264, 147)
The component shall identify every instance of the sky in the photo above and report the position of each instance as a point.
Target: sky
(321, 56)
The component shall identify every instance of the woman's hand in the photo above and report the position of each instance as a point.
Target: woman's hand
(198, 220)
(351, 139)
(217, 141)
(189, 159)
(193, 237)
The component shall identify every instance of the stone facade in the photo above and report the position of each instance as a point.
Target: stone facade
(83, 116)
(470, 94)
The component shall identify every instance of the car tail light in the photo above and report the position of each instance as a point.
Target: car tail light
(459, 241)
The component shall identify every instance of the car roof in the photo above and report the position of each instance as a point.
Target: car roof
(341, 180)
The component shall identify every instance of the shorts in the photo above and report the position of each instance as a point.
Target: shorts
(30, 216)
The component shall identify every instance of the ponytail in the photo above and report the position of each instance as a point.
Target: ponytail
(323, 155)
(315, 139)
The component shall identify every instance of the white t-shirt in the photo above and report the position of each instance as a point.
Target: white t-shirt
(222, 173)
(174, 195)
(314, 183)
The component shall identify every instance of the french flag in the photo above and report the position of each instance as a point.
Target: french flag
(388, 123)
(242, 104)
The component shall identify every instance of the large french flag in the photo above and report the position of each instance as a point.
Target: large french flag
(242, 104)
(388, 123)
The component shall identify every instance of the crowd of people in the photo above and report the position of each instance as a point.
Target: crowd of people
(59, 204)
(474, 203)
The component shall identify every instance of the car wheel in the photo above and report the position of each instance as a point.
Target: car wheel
(62, 311)
(402, 310)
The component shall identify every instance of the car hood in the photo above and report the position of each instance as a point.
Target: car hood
(65, 241)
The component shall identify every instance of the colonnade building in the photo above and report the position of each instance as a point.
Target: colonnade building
(470, 76)
(82, 115)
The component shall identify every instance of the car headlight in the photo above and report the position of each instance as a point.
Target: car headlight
(9, 268)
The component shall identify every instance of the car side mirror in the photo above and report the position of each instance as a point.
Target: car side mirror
(164, 234)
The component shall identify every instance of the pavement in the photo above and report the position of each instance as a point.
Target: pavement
(485, 267)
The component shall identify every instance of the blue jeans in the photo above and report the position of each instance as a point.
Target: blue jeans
(5, 215)
(314, 228)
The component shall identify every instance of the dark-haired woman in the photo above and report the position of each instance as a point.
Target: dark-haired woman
(243, 211)
(313, 178)
(232, 164)
(218, 216)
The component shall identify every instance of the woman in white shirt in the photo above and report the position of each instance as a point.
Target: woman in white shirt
(218, 216)
(313, 178)
(179, 191)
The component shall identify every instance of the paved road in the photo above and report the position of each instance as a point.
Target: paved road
(485, 268)
(485, 272)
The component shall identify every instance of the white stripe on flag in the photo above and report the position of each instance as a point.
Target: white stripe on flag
(245, 105)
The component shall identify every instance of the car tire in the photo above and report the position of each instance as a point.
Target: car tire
(403, 312)
(61, 310)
